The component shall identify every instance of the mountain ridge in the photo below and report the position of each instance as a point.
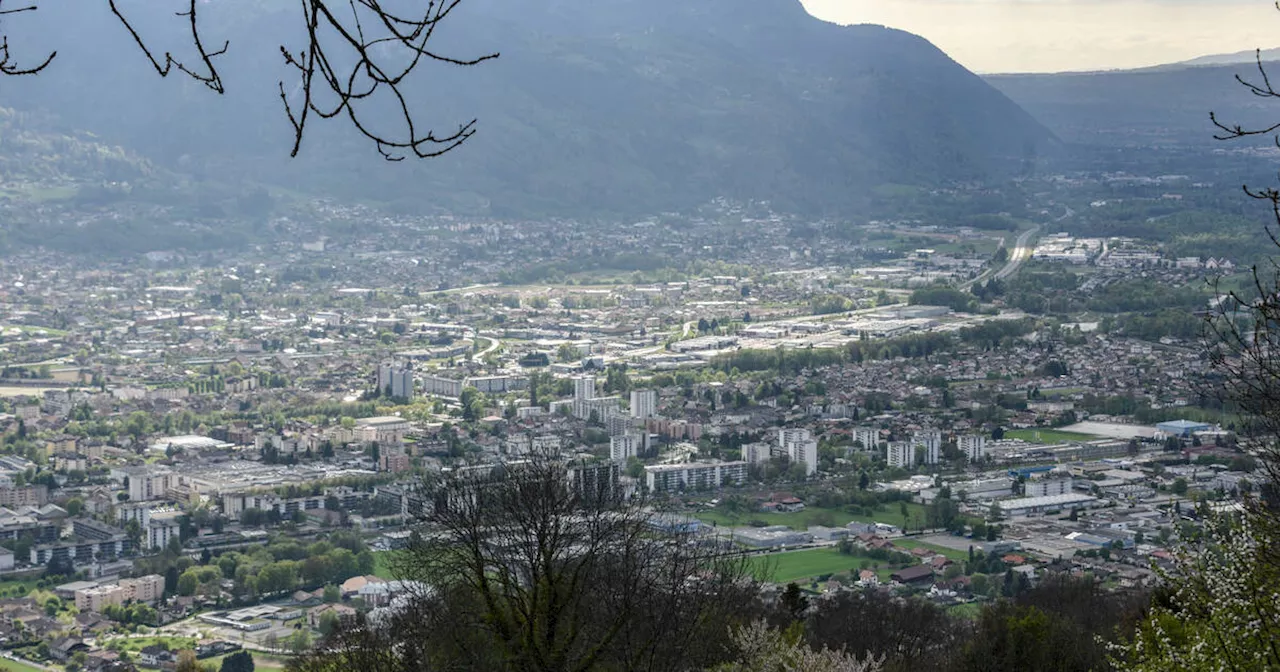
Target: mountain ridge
(1161, 106)
(616, 107)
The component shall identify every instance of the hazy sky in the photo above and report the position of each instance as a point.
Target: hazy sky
(1054, 35)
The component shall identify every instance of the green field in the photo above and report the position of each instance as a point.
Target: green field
(815, 516)
(801, 566)
(261, 661)
(381, 569)
(949, 553)
(1047, 436)
(16, 588)
(39, 193)
(1062, 392)
(797, 565)
(15, 666)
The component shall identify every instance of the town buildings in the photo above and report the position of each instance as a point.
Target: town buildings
(694, 475)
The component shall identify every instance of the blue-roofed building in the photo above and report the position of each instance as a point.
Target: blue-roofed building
(1182, 428)
(1026, 472)
(673, 524)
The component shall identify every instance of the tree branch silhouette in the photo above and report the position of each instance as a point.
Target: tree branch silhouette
(8, 66)
(353, 65)
(1260, 87)
(1244, 332)
(356, 64)
(209, 76)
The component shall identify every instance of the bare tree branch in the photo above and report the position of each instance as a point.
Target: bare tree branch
(209, 76)
(356, 65)
(8, 66)
(353, 66)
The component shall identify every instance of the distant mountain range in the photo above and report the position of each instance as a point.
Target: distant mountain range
(1164, 105)
(601, 107)
(1250, 56)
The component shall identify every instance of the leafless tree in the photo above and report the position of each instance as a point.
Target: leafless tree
(357, 58)
(904, 633)
(544, 566)
(1244, 332)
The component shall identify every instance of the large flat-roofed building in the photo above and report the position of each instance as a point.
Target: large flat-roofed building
(383, 429)
(498, 384)
(148, 483)
(1182, 428)
(694, 475)
(98, 598)
(234, 504)
(147, 588)
(770, 537)
(1030, 506)
(441, 386)
(984, 488)
(1046, 487)
(27, 495)
(142, 589)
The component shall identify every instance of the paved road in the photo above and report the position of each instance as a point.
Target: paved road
(494, 344)
(1021, 252)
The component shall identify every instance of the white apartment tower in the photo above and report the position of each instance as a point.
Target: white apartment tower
(974, 446)
(869, 437)
(756, 453)
(617, 424)
(644, 403)
(799, 446)
(931, 440)
(584, 387)
(396, 380)
(622, 448)
(901, 454)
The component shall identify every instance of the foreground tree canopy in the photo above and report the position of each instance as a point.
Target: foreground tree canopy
(545, 566)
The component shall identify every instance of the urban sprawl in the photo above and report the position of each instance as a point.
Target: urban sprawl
(222, 451)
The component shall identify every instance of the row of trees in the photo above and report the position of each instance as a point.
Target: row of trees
(790, 362)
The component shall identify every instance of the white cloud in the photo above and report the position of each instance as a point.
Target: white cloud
(1054, 35)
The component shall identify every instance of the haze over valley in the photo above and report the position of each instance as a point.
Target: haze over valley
(728, 338)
